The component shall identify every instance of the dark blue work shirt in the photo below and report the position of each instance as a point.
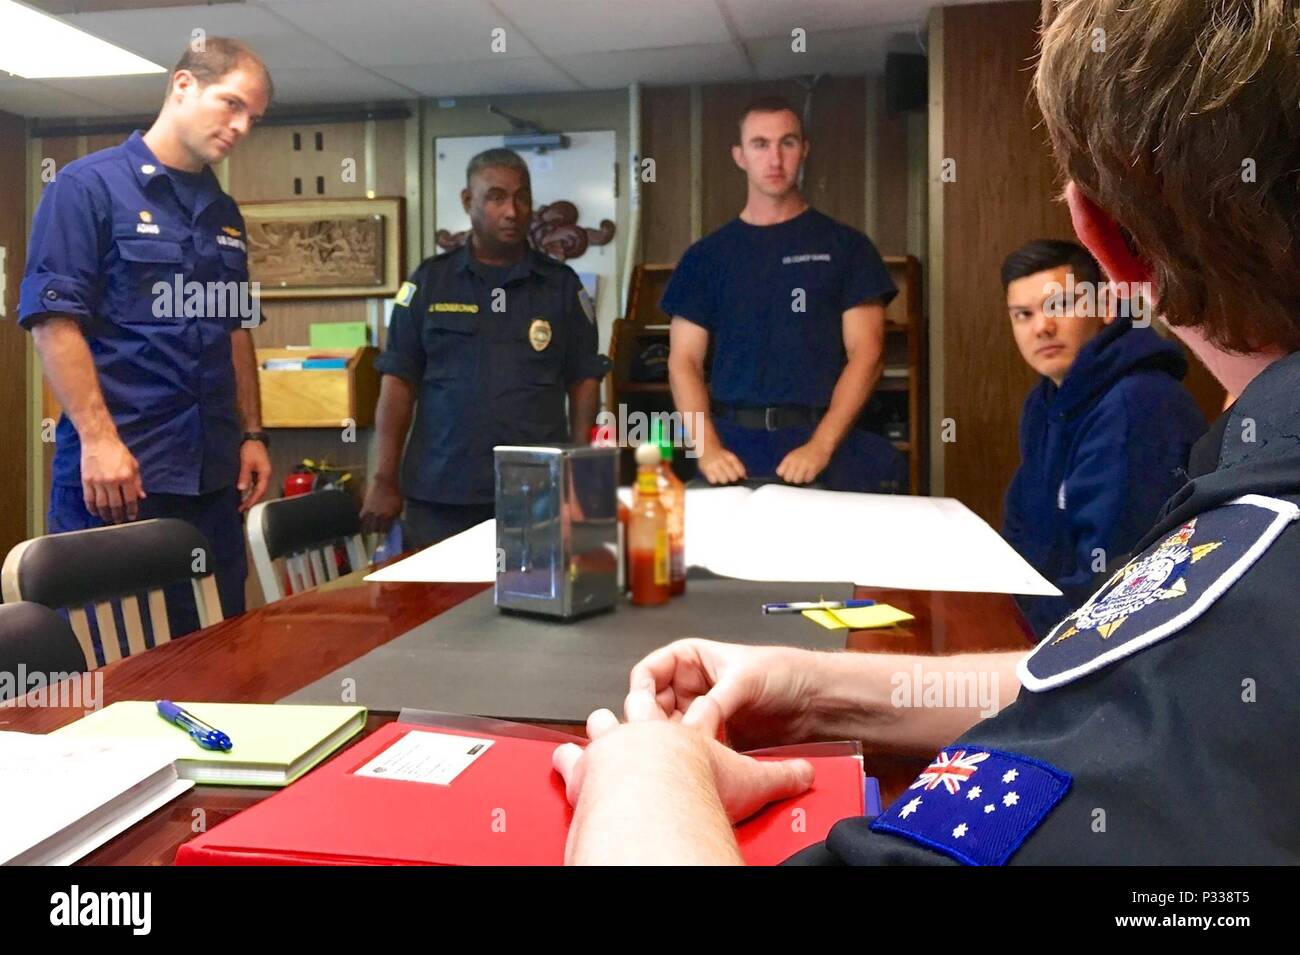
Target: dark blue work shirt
(114, 247)
(772, 299)
(491, 353)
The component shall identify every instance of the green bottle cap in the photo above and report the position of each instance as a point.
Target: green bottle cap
(657, 437)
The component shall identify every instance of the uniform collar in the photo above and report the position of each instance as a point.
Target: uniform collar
(146, 167)
(530, 264)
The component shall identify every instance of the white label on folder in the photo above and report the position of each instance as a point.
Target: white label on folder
(420, 757)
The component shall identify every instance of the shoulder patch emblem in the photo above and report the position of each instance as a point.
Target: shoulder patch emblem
(1160, 591)
(406, 293)
(975, 804)
(588, 307)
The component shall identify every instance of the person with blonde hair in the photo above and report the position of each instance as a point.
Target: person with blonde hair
(1150, 718)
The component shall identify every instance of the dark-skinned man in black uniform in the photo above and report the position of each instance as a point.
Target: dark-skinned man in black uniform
(485, 344)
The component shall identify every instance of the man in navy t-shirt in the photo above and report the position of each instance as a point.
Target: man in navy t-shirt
(795, 305)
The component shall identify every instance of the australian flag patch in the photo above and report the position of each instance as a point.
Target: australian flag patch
(1160, 591)
(975, 804)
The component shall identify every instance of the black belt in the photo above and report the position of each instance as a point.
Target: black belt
(770, 419)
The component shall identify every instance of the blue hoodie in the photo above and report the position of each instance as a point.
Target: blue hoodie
(1099, 457)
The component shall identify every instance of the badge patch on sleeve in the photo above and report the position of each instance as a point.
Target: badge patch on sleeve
(406, 293)
(976, 805)
(1160, 591)
(588, 308)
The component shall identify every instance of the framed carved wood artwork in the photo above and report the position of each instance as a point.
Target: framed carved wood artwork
(325, 248)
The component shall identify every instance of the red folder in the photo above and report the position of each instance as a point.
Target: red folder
(506, 808)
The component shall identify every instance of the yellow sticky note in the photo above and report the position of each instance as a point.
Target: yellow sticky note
(825, 618)
(859, 618)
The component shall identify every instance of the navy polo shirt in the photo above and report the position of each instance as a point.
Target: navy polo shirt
(772, 299)
(157, 284)
(492, 353)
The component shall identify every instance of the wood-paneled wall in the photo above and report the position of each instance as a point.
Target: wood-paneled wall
(1003, 196)
(13, 340)
(666, 201)
(267, 167)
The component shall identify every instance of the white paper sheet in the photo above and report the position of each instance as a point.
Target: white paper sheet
(467, 557)
(874, 540)
(795, 534)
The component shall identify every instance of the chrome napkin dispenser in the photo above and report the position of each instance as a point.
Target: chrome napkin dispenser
(557, 529)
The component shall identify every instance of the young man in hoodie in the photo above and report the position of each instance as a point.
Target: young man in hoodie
(1146, 728)
(1104, 435)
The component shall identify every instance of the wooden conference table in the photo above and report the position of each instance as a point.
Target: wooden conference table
(268, 653)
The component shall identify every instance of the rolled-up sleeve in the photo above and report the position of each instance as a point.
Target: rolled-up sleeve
(64, 274)
(582, 358)
(404, 356)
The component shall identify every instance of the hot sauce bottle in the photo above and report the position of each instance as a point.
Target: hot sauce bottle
(672, 492)
(647, 535)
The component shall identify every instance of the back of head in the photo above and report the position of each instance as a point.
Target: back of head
(1181, 120)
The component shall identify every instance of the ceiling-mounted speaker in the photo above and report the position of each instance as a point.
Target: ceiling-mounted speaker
(906, 82)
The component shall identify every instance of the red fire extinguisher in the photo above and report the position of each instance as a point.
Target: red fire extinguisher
(301, 480)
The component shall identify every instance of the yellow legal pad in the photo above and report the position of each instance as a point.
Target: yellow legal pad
(859, 618)
(274, 743)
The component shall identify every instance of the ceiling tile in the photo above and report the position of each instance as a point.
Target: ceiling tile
(668, 65)
(755, 19)
(841, 52)
(34, 98)
(334, 85)
(587, 26)
(529, 75)
(403, 32)
(162, 35)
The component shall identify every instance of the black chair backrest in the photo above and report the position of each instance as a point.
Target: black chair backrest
(38, 640)
(115, 565)
(292, 525)
(86, 567)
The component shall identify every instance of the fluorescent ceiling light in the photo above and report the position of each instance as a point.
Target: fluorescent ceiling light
(37, 46)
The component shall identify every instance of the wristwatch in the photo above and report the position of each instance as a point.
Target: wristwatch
(258, 436)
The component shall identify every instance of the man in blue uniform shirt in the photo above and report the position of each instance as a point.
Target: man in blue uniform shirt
(1146, 727)
(485, 344)
(1104, 435)
(158, 386)
(794, 305)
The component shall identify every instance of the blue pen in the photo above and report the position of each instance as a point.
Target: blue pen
(209, 737)
(800, 607)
